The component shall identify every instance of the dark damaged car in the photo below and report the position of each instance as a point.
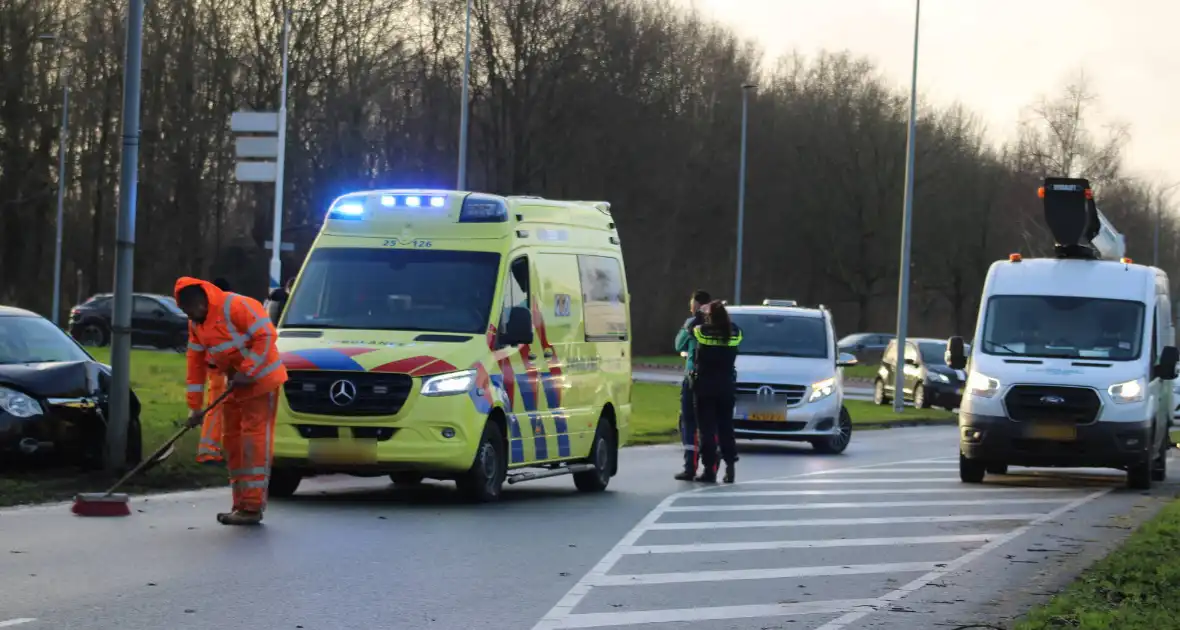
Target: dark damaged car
(53, 397)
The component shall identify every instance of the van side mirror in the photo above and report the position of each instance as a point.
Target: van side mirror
(519, 329)
(1166, 368)
(845, 360)
(956, 353)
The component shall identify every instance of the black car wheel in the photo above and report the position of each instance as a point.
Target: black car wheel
(920, 400)
(970, 470)
(93, 334)
(603, 456)
(484, 481)
(839, 441)
(283, 483)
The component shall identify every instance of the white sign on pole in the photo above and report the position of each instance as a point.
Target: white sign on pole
(256, 147)
(256, 172)
(286, 247)
(254, 122)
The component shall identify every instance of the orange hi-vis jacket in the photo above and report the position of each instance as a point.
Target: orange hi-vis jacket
(236, 336)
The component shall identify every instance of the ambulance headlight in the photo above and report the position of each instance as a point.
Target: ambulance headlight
(822, 389)
(449, 384)
(1128, 392)
(981, 385)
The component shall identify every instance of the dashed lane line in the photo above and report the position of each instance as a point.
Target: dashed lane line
(684, 577)
(598, 620)
(16, 622)
(834, 491)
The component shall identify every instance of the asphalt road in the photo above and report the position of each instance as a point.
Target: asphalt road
(883, 536)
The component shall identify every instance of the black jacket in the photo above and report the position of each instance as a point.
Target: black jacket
(714, 367)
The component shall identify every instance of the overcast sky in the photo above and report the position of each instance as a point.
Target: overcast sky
(998, 56)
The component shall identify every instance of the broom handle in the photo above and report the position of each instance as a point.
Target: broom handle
(179, 434)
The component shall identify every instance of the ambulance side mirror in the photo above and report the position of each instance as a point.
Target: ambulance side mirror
(1166, 368)
(956, 353)
(519, 329)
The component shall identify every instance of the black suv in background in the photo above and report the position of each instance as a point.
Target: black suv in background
(929, 381)
(156, 321)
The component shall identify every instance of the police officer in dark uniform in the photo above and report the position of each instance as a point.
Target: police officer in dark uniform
(686, 345)
(714, 382)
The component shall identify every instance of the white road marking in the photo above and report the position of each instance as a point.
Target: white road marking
(873, 471)
(762, 574)
(767, 507)
(16, 622)
(827, 481)
(809, 544)
(562, 616)
(823, 522)
(598, 620)
(852, 617)
(822, 493)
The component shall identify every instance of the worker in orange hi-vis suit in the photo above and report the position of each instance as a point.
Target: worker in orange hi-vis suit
(234, 333)
(209, 450)
(209, 447)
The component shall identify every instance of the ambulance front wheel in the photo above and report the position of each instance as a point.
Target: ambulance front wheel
(602, 455)
(283, 483)
(484, 481)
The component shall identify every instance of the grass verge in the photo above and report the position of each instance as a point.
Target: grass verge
(656, 410)
(1135, 588)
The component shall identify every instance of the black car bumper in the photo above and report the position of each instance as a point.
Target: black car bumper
(65, 433)
(1096, 445)
(946, 395)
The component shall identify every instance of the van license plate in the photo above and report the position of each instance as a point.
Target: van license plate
(1054, 431)
(329, 451)
(768, 416)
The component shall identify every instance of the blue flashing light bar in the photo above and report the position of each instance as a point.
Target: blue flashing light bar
(483, 209)
(350, 210)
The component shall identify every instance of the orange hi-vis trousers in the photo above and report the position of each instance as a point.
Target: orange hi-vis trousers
(248, 426)
(209, 448)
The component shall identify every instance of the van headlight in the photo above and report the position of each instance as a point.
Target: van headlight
(18, 404)
(449, 384)
(982, 385)
(822, 389)
(1128, 392)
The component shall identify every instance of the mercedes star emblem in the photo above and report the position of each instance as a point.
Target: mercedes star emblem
(342, 393)
(766, 391)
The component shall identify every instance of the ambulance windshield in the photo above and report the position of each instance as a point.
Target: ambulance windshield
(395, 289)
(1063, 327)
(773, 335)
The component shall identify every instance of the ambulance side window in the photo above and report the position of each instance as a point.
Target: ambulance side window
(516, 289)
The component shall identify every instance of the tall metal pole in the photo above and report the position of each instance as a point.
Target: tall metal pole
(63, 144)
(276, 263)
(737, 281)
(1155, 253)
(903, 282)
(116, 443)
(463, 107)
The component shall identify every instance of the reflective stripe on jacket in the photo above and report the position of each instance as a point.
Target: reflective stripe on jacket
(236, 337)
(714, 370)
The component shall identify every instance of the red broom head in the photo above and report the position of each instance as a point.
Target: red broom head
(102, 505)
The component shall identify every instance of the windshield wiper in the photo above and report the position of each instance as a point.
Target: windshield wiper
(995, 345)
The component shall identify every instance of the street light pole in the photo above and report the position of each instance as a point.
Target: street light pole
(464, 107)
(903, 282)
(62, 148)
(737, 281)
(276, 263)
(117, 423)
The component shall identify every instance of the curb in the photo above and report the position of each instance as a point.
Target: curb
(906, 424)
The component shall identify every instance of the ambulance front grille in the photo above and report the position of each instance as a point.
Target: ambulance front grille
(346, 393)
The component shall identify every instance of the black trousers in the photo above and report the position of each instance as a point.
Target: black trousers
(688, 425)
(715, 424)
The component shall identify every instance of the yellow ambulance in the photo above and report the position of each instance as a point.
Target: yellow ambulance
(458, 336)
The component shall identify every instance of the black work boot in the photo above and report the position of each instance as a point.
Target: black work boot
(686, 475)
(729, 472)
(709, 476)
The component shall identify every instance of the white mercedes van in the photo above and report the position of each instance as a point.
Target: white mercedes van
(1073, 356)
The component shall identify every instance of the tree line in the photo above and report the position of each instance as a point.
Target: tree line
(636, 102)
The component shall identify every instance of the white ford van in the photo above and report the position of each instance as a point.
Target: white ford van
(1072, 356)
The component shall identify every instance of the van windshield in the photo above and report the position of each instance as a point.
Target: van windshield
(782, 335)
(395, 289)
(1063, 327)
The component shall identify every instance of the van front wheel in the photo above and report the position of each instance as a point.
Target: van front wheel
(484, 481)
